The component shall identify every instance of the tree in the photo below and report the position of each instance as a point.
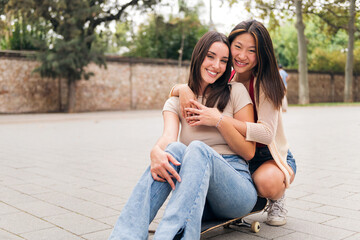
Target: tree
(73, 26)
(341, 14)
(348, 96)
(274, 10)
(303, 70)
(158, 38)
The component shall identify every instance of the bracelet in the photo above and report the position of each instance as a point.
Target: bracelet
(221, 117)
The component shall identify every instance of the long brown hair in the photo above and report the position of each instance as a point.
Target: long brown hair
(219, 91)
(266, 71)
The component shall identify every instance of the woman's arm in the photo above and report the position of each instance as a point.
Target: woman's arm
(233, 137)
(212, 117)
(264, 130)
(160, 160)
(185, 95)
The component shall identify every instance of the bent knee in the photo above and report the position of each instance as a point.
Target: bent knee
(197, 144)
(269, 184)
(176, 149)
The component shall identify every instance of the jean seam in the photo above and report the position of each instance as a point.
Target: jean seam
(191, 212)
(233, 169)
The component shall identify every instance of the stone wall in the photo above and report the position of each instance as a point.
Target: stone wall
(127, 83)
(323, 87)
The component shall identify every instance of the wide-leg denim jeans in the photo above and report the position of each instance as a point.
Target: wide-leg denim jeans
(224, 182)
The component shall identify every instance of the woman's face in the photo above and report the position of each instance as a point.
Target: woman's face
(243, 50)
(214, 64)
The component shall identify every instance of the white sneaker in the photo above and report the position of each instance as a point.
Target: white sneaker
(276, 212)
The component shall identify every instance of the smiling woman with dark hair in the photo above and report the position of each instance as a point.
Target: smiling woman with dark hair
(208, 165)
(273, 168)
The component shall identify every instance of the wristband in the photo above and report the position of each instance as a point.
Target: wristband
(221, 117)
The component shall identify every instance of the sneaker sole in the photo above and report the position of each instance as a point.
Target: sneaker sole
(276, 223)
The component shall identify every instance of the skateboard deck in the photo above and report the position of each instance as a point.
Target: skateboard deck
(255, 226)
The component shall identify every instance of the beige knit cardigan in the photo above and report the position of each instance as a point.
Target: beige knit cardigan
(269, 130)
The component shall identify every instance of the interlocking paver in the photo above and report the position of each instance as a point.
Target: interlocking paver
(77, 224)
(21, 222)
(51, 233)
(67, 176)
(9, 236)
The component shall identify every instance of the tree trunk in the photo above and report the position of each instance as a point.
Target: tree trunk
(181, 51)
(303, 69)
(348, 96)
(71, 96)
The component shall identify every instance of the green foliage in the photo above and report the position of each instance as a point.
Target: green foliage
(285, 44)
(162, 39)
(325, 52)
(63, 59)
(26, 37)
(73, 29)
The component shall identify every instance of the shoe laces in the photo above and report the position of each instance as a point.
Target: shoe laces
(276, 208)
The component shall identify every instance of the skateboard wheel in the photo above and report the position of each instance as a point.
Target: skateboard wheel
(255, 227)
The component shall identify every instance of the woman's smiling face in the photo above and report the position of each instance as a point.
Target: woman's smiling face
(243, 50)
(214, 64)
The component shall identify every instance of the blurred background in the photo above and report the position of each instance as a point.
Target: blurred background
(49, 49)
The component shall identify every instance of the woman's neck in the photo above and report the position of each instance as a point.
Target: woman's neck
(243, 77)
(202, 89)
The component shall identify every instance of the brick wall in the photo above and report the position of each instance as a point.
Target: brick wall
(127, 83)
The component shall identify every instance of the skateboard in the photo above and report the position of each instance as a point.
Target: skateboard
(240, 222)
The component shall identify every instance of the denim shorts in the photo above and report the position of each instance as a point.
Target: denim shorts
(263, 154)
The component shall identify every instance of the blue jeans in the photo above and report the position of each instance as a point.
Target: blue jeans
(223, 182)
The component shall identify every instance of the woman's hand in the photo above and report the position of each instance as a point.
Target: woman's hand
(185, 95)
(202, 115)
(160, 167)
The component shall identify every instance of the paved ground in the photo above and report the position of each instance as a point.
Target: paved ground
(68, 176)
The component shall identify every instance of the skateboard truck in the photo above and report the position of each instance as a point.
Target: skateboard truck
(254, 226)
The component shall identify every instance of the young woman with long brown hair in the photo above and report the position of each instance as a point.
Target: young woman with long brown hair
(208, 165)
(273, 168)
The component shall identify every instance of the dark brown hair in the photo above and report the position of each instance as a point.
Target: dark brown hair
(219, 91)
(266, 71)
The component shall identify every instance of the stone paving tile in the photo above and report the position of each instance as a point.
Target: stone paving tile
(310, 216)
(93, 163)
(101, 235)
(337, 193)
(318, 230)
(96, 197)
(11, 196)
(9, 236)
(77, 224)
(30, 189)
(40, 208)
(305, 205)
(222, 235)
(6, 209)
(109, 220)
(298, 236)
(332, 201)
(348, 187)
(338, 212)
(51, 233)
(353, 237)
(22, 223)
(345, 223)
(9, 180)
